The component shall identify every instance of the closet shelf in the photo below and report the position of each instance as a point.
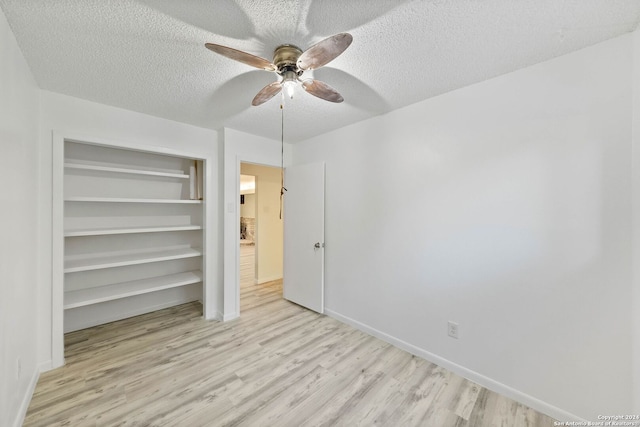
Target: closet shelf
(133, 236)
(130, 200)
(124, 258)
(84, 297)
(128, 230)
(123, 169)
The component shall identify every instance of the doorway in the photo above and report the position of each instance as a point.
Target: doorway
(260, 234)
(248, 268)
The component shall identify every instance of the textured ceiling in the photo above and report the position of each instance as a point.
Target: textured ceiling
(149, 55)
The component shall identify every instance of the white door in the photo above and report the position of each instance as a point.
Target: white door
(303, 281)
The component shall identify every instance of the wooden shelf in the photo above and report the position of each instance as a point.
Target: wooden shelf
(129, 230)
(124, 258)
(128, 200)
(84, 297)
(124, 169)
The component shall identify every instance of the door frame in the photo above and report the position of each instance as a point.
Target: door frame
(240, 147)
(209, 295)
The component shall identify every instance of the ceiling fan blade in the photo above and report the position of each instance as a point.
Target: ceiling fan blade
(322, 90)
(244, 57)
(267, 92)
(324, 51)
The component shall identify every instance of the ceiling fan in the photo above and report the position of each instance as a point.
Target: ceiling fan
(290, 62)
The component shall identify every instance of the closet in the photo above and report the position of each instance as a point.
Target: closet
(133, 232)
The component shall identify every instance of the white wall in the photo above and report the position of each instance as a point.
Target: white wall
(97, 121)
(18, 238)
(269, 226)
(522, 236)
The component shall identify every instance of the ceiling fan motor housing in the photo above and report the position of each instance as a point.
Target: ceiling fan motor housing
(285, 58)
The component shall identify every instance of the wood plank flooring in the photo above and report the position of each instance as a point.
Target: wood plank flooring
(278, 365)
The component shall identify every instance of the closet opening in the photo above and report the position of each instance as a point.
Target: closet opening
(129, 234)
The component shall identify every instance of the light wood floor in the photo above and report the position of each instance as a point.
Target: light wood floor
(278, 365)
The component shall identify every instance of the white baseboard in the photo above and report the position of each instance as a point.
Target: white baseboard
(480, 379)
(45, 366)
(216, 316)
(26, 399)
(261, 280)
(230, 316)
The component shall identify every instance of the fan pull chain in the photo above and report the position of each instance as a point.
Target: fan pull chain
(282, 189)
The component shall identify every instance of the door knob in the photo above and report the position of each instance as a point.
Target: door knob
(317, 245)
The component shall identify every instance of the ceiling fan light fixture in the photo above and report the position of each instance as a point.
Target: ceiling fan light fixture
(289, 82)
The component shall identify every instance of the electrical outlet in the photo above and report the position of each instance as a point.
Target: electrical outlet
(18, 367)
(452, 329)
